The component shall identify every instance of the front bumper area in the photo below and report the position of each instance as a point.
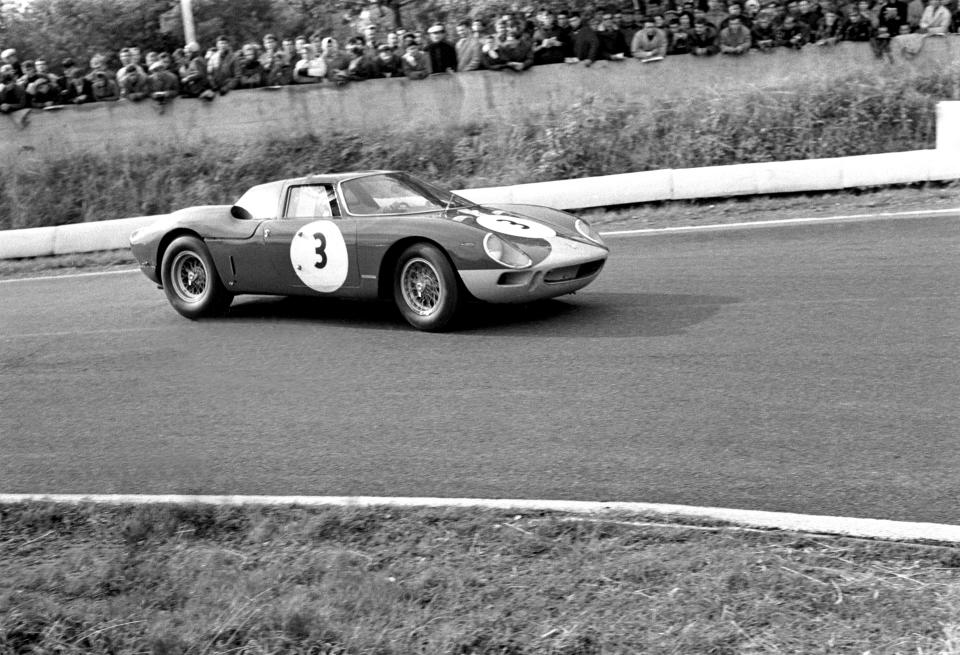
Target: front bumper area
(570, 266)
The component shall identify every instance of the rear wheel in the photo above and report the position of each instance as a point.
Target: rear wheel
(425, 288)
(190, 279)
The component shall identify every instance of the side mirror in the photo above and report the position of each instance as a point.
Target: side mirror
(239, 212)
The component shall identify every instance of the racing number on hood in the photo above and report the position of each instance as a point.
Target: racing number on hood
(318, 254)
(515, 226)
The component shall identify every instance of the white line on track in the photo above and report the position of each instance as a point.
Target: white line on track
(838, 525)
(40, 278)
(75, 333)
(925, 213)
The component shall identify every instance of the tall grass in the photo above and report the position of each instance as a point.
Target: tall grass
(858, 114)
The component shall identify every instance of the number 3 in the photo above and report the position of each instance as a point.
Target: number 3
(321, 250)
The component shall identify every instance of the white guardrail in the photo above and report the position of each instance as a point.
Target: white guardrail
(942, 163)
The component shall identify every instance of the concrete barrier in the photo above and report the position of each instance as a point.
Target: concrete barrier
(610, 190)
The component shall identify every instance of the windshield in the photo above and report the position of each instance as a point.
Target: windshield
(396, 193)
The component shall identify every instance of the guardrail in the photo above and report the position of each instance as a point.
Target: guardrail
(942, 163)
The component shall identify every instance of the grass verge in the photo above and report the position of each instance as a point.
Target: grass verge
(179, 579)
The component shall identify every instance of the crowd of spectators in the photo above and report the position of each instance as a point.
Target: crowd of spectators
(647, 31)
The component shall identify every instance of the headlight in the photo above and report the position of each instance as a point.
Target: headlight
(588, 232)
(504, 252)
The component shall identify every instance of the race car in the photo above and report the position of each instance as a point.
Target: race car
(370, 234)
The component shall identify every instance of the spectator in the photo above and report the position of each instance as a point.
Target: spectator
(763, 35)
(126, 61)
(310, 68)
(792, 33)
(76, 87)
(864, 7)
(628, 24)
(680, 44)
(13, 97)
(416, 64)
(857, 28)
(517, 50)
(585, 44)
(388, 63)
(193, 74)
(276, 69)
(566, 32)
(490, 57)
(442, 55)
(133, 83)
(29, 74)
(829, 29)
(809, 16)
(102, 87)
(934, 20)
(468, 48)
(717, 13)
(612, 45)
(98, 64)
(892, 21)
(734, 39)
(10, 58)
(249, 71)
(222, 68)
(703, 40)
(42, 93)
(359, 65)
(915, 11)
(735, 10)
(162, 84)
(371, 41)
(650, 43)
(549, 41)
(335, 61)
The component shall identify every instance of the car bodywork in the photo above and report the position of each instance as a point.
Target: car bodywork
(333, 235)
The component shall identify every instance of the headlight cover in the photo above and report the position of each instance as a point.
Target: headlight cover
(588, 232)
(504, 252)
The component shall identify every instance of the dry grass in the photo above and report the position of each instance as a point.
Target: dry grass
(195, 579)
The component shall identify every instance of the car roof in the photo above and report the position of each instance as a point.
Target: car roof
(322, 178)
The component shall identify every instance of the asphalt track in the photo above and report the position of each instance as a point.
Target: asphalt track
(803, 368)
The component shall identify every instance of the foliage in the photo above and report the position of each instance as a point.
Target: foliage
(817, 119)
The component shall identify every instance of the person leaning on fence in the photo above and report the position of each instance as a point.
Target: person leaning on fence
(133, 83)
(222, 67)
(42, 93)
(102, 87)
(162, 84)
(650, 43)
(703, 39)
(585, 44)
(10, 58)
(935, 18)
(416, 65)
(387, 63)
(734, 39)
(549, 41)
(468, 48)
(13, 96)
(442, 55)
(74, 86)
(792, 33)
(612, 43)
(249, 71)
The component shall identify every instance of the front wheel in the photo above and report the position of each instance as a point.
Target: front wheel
(190, 279)
(425, 288)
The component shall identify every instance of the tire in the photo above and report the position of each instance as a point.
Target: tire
(425, 288)
(190, 279)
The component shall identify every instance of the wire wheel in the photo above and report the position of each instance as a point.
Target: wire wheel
(421, 286)
(189, 276)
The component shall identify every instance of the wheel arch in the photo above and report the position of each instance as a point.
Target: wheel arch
(389, 262)
(169, 238)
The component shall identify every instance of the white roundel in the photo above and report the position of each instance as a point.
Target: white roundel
(515, 226)
(319, 256)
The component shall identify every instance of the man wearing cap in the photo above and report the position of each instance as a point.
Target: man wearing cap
(387, 63)
(442, 55)
(163, 84)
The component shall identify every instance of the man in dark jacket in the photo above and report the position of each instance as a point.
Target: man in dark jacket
(586, 45)
(442, 55)
(12, 95)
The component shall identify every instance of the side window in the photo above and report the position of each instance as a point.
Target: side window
(311, 201)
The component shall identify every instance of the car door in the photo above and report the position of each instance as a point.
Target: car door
(312, 247)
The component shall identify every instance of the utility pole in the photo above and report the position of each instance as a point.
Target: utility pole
(189, 31)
